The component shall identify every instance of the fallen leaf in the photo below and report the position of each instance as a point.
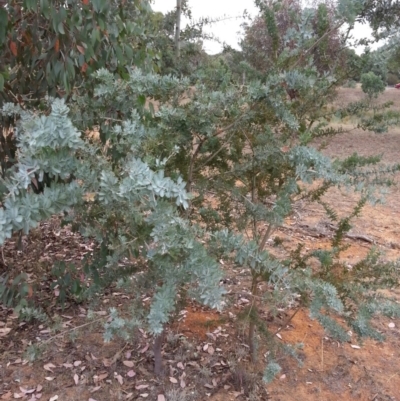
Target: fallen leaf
(283, 377)
(77, 363)
(141, 386)
(160, 397)
(180, 365)
(392, 325)
(173, 380)
(49, 367)
(129, 364)
(205, 348)
(68, 365)
(4, 331)
(103, 376)
(19, 395)
(6, 396)
(144, 395)
(355, 346)
(76, 379)
(182, 384)
(131, 373)
(26, 391)
(54, 398)
(211, 350)
(279, 336)
(120, 379)
(39, 388)
(92, 399)
(49, 378)
(208, 385)
(142, 351)
(94, 389)
(107, 362)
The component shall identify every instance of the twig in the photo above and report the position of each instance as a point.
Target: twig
(322, 354)
(2, 256)
(74, 328)
(266, 236)
(286, 323)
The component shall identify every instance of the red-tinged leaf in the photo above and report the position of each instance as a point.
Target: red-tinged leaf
(81, 49)
(6, 396)
(129, 364)
(13, 48)
(57, 45)
(85, 2)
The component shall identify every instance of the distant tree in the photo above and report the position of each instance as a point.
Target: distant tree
(266, 36)
(372, 85)
(52, 48)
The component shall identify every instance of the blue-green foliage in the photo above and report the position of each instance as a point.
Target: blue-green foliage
(141, 203)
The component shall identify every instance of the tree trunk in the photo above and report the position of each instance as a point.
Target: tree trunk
(157, 348)
(178, 29)
(253, 316)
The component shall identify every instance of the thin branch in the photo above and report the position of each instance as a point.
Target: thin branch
(266, 237)
(286, 323)
(316, 43)
(74, 328)
(213, 155)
